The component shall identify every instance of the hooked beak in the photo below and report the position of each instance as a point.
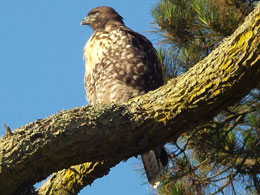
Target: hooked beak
(87, 20)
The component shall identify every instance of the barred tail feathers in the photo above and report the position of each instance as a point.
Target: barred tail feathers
(152, 168)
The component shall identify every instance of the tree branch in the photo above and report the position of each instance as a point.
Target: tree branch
(72, 180)
(117, 132)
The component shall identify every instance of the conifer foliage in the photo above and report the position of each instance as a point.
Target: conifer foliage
(224, 155)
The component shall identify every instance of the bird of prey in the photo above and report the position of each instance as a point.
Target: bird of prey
(121, 64)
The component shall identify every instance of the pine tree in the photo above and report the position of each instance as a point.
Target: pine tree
(224, 155)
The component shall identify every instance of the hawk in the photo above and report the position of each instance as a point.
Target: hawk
(121, 64)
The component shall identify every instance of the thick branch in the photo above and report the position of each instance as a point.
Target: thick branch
(72, 180)
(112, 132)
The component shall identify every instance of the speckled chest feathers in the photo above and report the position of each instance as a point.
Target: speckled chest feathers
(119, 64)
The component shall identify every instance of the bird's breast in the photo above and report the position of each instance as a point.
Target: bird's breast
(95, 50)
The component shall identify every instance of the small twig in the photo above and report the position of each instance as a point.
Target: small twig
(231, 178)
(8, 130)
(233, 188)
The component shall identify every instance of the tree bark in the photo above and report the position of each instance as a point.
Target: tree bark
(72, 180)
(112, 133)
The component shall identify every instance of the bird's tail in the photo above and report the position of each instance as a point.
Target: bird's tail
(152, 165)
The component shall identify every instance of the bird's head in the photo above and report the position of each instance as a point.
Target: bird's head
(99, 17)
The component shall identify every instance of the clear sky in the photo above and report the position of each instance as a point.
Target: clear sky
(41, 68)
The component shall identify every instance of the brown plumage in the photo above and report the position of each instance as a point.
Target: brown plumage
(120, 64)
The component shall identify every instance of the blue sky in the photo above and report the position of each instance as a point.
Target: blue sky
(41, 68)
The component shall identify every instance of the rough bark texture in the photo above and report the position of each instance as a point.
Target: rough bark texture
(72, 180)
(117, 132)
